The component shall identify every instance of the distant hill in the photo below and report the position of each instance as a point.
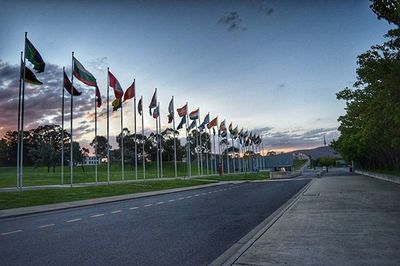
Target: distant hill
(324, 151)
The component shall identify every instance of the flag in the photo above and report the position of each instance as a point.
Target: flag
(222, 126)
(33, 56)
(171, 110)
(114, 83)
(117, 103)
(235, 132)
(98, 97)
(213, 123)
(183, 121)
(31, 78)
(194, 114)
(153, 102)
(130, 92)
(205, 122)
(140, 106)
(230, 128)
(213, 130)
(156, 112)
(192, 125)
(82, 74)
(67, 86)
(182, 111)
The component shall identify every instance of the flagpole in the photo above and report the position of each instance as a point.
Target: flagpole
(157, 154)
(173, 125)
(207, 142)
(71, 129)
(233, 153)
(160, 140)
(95, 134)
(62, 130)
(122, 145)
(197, 146)
(143, 143)
(108, 125)
(21, 165)
(215, 154)
(134, 118)
(201, 149)
(188, 143)
(19, 122)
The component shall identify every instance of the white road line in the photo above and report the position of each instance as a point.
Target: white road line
(45, 225)
(188, 197)
(113, 212)
(11, 232)
(209, 192)
(171, 200)
(148, 205)
(134, 208)
(181, 198)
(203, 194)
(160, 202)
(97, 215)
(197, 195)
(74, 220)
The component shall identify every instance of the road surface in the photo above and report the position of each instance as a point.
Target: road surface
(185, 228)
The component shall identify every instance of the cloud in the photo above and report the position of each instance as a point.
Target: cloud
(99, 63)
(42, 103)
(295, 138)
(232, 21)
(264, 7)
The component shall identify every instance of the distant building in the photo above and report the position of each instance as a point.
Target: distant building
(91, 160)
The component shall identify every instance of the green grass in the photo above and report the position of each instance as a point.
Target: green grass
(238, 177)
(40, 176)
(47, 196)
(299, 163)
(386, 172)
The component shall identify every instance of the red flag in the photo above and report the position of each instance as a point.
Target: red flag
(182, 111)
(130, 92)
(67, 86)
(213, 123)
(118, 92)
(98, 97)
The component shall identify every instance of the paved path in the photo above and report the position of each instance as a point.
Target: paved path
(340, 219)
(184, 228)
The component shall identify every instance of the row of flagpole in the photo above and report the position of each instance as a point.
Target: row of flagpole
(79, 72)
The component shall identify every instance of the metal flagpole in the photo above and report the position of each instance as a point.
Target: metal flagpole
(134, 118)
(19, 122)
(143, 143)
(160, 138)
(95, 134)
(21, 138)
(108, 125)
(197, 146)
(233, 154)
(122, 145)
(62, 130)
(215, 156)
(158, 154)
(207, 151)
(173, 125)
(227, 153)
(71, 157)
(189, 161)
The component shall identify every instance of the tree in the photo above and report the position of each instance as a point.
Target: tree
(102, 146)
(370, 129)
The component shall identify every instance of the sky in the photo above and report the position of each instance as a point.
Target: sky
(273, 67)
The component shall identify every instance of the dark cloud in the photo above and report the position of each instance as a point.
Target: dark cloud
(42, 102)
(264, 7)
(232, 21)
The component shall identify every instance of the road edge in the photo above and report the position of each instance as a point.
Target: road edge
(231, 255)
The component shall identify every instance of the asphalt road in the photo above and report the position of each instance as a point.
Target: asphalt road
(185, 228)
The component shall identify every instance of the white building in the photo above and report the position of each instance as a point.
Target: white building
(91, 160)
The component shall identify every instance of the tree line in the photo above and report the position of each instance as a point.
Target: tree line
(370, 129)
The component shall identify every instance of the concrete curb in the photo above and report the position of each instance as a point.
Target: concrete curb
(390, 178)
(233, 253)
(9, 213)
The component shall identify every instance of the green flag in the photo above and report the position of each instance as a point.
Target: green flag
(33, 56)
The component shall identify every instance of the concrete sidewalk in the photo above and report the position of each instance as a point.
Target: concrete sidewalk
(340, 219)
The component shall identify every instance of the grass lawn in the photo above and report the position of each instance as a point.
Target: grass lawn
(244, 176)
(40, 176)
(47, 196)
(298, 163)
(386, 172)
